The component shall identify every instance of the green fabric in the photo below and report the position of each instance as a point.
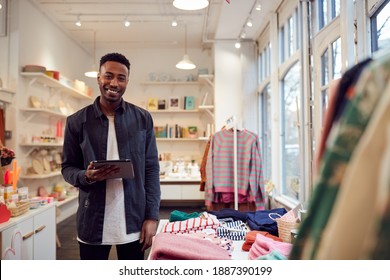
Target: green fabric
(345, 136)
(274, 255)
(177, 215)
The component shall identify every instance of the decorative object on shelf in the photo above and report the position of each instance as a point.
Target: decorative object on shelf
(37, 167)
(5, 214)
(193, 132)
(152, 76)
(152, 103)
(53, 74)
(7, 155)
(162, 104)
(189, 102)
(174, 103)
(34, 68)
(35, 102)
(185, 63)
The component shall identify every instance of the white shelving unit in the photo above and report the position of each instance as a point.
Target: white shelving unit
(54, 84)
(183, 116)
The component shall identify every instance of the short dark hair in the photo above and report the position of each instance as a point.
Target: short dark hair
(117, 57)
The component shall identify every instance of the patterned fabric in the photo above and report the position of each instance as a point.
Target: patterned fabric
(179, 247)
(350, 223)
(204, 221)
(343, 139)
(220, 167)
(236, 230)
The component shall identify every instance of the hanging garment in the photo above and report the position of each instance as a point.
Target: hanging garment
(344, 137)
(354, 215)
(202, 169)
(340, 93)
(220, 167)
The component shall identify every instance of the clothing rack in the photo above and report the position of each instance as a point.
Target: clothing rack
(231, 123)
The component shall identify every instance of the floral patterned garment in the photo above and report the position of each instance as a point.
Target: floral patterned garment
(342, 141)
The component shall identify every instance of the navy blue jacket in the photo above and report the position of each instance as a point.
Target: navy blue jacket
(85, 140)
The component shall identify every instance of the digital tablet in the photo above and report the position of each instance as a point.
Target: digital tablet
(125, 167)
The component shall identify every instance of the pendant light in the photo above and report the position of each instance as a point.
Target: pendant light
(185, 63)
(190, 4)
(93, 73)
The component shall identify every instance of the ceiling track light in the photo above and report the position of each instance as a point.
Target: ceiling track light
(258, 6)
(126, 22)
(185, 63)
(174, 22)
(190, 5)
(243, 34)
(78, 22)
(249, 22)
(237, 44)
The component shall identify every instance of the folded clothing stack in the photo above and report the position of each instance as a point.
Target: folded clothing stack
(264, 245)
(251, 237)
(167, 246)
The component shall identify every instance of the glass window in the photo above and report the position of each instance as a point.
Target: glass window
(324, 68)
(266, 131)
(380, 27)
(282, 44)
(291, 174)
(290, 48)
(336, 59)
(329, 73)
(264, 63)
(327, 11)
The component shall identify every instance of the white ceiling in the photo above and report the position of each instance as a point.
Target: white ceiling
(151, 22)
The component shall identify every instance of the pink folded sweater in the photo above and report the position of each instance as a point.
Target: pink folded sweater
(264, 245)
(168, 246)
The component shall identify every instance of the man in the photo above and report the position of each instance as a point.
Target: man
(122, 212)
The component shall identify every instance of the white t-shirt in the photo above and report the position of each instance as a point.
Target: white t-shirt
(114, 227)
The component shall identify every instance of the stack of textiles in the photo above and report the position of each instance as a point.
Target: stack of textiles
(251, 237)
(264, 246)
(260, 220)
(234, 230)
(178, 247)
(205, 221)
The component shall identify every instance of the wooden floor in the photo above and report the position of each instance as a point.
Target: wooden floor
(67, 235)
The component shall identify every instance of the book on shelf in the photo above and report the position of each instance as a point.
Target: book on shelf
(189, 103)
(162, 104)
(152, 103)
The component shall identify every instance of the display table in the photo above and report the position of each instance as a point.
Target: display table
(237, 253)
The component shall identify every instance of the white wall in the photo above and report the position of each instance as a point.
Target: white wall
(236, 84)
(34, 39)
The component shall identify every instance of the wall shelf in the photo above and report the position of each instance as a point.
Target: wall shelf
(174, 111)
(6, 95)
(54, 84)
(159, 83)
(41, 176)
(181, 139)
(43, 111)
(41, 145)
